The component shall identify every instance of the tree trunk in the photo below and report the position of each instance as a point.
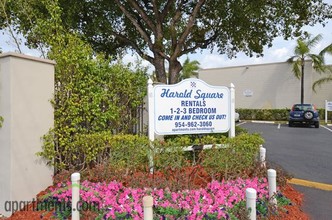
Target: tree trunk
(159, 64)
(174, 69)
(302, 82)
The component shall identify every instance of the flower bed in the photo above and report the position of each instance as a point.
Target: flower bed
(114, 201)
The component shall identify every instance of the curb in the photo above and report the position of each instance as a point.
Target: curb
(311, 184)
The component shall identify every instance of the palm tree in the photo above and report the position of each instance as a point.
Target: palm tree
(302, 53)
(328, 78)
(189, 69)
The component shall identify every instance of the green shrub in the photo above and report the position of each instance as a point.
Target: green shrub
(264, 114)
(129, 153)
(169, 155)
(106, 157)
(238, 155)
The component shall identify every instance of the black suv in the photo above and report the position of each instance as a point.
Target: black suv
(304, 114)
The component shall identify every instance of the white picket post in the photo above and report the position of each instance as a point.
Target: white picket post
(251, 196)
(272, 179)
(231, 132)
(262, 155)
(147, 207)
(75, 186)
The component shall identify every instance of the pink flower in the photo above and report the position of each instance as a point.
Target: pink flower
(114, 198)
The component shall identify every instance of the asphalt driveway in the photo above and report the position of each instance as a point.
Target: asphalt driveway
(305, 153)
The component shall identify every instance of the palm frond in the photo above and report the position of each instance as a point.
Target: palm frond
(318, 62)
(296, 68)
(291, 59)
(301, 49)
(312, 42)
(321, 81)
(326, 50)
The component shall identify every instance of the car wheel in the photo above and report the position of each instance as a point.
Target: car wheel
(308, 115)
(290, 124)
(317, 125)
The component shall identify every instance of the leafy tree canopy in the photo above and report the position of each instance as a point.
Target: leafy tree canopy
(164, 30)
(90, 95)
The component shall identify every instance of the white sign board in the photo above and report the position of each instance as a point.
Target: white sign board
(328, 106)
(191, 107)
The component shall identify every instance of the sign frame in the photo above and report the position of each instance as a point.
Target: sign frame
(151, 107)
(191, 107)
(328, 108)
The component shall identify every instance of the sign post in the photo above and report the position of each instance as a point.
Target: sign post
(190, 107)
(231, 132)
(328, 107)
(151, 122)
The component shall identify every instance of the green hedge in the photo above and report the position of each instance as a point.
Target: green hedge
(131, 152)
(272, 114)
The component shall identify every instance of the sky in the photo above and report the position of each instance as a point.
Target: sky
(279, 52)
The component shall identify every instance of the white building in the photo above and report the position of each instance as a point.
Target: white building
(269, 86)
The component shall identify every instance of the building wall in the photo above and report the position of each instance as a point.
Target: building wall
(268, 86)
(323, 92)
(26, 88)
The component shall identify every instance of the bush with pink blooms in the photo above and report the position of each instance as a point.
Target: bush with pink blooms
(183, 186)
(219, 200)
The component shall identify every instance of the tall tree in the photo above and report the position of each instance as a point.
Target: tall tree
(90, 95)
(162, 31)
(328, 77)
(6, 22)
(190, 68)
(302, 53)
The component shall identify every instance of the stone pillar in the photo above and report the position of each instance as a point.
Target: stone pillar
(26, 88)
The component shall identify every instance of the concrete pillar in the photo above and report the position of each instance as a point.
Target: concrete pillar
(26, 88)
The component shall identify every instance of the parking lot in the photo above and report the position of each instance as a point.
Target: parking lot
(305, 153)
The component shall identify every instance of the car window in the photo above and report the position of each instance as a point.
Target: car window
(297, 108)
(302, 107)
